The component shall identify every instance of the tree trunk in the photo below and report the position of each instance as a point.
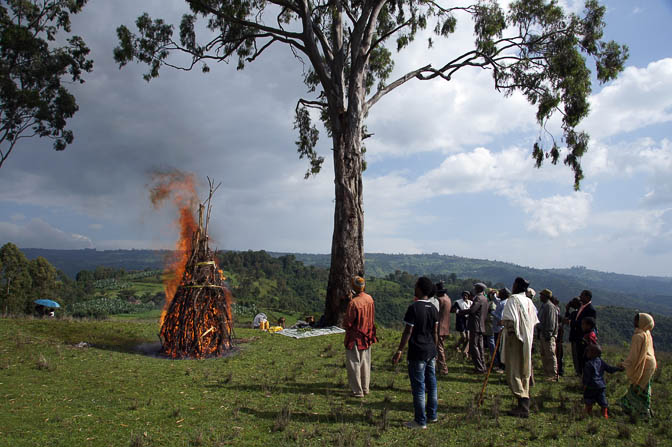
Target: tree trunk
(347, 244)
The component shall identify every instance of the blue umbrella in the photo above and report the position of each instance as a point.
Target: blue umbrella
(47, 303)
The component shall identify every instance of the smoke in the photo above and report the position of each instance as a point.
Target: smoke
(178, 189)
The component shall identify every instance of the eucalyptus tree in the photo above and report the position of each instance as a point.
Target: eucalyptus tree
(34, 69)
(532, 46)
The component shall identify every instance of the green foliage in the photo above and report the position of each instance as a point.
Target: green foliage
(15, 281)
(33, 70)
(308, 136)
(535, 47)
(43, 276)
(280, 284)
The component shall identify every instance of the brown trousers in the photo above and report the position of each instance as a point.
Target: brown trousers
(476, 350)
(548, 358)
(358, 365)
(441, 355)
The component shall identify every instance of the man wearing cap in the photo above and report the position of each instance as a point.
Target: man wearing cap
(519, 319)
(444, 326)
(477, 312)
(360, 334)
(548, 333)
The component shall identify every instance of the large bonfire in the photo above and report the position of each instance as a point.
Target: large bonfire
(197, 320)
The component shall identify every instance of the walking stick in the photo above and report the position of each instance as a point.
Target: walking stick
(492, 362)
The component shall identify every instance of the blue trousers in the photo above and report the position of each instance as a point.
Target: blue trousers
(423, 380)
(599, 395)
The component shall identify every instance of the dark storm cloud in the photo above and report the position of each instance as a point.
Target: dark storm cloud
(231, 125)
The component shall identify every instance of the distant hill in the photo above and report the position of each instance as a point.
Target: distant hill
(71, 262)
(651, 293)
(296, 283)
(609, 289)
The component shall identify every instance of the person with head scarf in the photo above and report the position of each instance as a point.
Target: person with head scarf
(519, 319)
(360, 334)
(639, 367)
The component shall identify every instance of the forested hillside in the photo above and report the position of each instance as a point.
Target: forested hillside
(609, 289)
(296, 283)
(71, 262)
(287, 285)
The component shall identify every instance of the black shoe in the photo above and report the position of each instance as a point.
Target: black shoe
(522, 410)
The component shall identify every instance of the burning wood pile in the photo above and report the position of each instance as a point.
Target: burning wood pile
(197, 322)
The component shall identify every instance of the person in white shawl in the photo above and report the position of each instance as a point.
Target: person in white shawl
(519, 318)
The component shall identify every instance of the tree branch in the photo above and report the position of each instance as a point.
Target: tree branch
(254, 25)
(386, 35)
(312, 104)
(388, 88)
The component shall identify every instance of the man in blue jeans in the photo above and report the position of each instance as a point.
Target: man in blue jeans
(421, 333)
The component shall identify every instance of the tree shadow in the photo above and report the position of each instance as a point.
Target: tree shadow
(336, 417)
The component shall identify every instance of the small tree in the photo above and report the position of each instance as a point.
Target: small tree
(33, 101)
(15, 281)
(535, 48)
(43, 276)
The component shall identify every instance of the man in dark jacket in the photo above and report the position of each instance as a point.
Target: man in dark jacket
(477, 313)
(585, 309)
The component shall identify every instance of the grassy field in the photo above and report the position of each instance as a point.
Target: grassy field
(273, 391)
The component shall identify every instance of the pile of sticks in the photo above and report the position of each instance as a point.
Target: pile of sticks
(198, 323)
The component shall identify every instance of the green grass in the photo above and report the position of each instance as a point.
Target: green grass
(274, 391)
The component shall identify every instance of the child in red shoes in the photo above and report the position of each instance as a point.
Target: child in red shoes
(594, 385)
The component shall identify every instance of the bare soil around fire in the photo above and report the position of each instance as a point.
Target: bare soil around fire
(275, 391)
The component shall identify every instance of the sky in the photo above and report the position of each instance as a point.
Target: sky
(449, 165)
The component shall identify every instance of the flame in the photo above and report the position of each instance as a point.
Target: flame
(180, 188)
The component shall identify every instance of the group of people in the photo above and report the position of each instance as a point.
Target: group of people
(509, 322)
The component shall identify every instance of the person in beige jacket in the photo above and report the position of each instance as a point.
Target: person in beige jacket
(639, 367)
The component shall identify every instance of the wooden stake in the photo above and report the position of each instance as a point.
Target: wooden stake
(492, 362)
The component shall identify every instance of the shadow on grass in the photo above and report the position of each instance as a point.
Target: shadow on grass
(296, 388)
(339, 417)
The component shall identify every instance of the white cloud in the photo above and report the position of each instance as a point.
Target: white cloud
(507, 174)
(559, 214)
(96, 226)
(645, 160)
(39, 234)
(17, 217)
(640, 97)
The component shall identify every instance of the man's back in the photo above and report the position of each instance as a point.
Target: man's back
(359, 322)
(423, 317)
(478, 312)
(444, 315)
